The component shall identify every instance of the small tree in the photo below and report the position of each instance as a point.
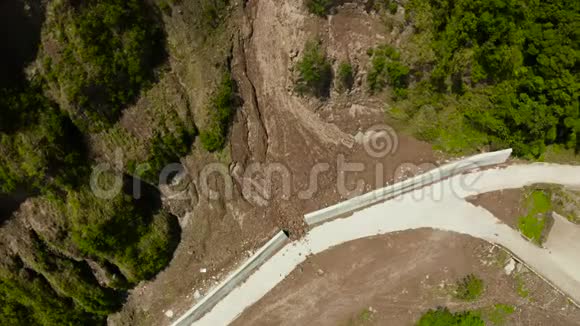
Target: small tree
(345, 75)
(469, 288)
(314, 71)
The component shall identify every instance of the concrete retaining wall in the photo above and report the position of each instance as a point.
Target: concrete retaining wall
(471, 163)
(232, 281)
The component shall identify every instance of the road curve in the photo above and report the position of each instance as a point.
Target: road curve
(439, 206)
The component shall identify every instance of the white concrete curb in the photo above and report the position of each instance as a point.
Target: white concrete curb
(233, 280)
(471, 163)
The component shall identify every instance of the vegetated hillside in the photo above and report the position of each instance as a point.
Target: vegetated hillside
(67, 256)
(98, 55)
(502, 73)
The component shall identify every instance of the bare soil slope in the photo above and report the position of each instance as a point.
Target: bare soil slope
(393, 279)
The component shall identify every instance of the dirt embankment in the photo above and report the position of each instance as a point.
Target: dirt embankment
(393, 279)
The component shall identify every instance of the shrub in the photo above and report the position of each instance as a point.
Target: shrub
(386, 69)
(319, 7)
(165, 7)
(346, 75)
(221, 111)
(393, 6)
(314, 71)
(166, 149)
(469, 288)
(443, 317)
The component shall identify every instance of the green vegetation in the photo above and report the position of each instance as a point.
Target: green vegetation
(389, 5)
(386, 69)
(84, 289)
(121, 231)
(319, 7)
(165, 7)
(165, 149)
(41, 148)
(498, 314)
(314, 71)
(509, 69)
(469, 288)
(96, 58)
(106, 52)
(443, 317)
(213, 13)
(221, 111)
(364, 317)
(345, 76)
(532, 225)
(565, 202)
(522, 289)
(28, 293)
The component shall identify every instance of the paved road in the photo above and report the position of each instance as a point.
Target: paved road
(440, 206)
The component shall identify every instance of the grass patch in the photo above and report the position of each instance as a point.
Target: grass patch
(444, 317)
(499, 313)
(521, 288)
(314, 71)
(532, 227)
(533, 224)
(469, 288)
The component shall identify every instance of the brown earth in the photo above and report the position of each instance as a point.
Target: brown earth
(393, 279)
(507, 205)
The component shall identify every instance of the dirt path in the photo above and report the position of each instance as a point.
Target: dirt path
(400, 276)
(440, 206)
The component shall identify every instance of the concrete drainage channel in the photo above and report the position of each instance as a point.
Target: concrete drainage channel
(213, 297)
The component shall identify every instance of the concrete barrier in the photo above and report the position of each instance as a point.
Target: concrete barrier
(232, 281)
(470, 163)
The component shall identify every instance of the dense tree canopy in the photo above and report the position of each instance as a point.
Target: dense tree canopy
(523, 55)
(106, 54)
(39, 145)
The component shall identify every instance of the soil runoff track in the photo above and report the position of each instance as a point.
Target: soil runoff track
(440, 205)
